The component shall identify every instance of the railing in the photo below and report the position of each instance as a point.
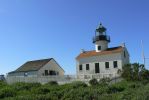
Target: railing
(101, 37)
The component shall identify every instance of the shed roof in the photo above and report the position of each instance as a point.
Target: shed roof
(33, 65)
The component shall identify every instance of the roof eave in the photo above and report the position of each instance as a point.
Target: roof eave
(77, 58)
(22, 71)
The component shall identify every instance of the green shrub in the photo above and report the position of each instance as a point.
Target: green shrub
(40, 90)
(124, 90)
(34, 97)
(145, 82)
(24, 86)
(101, 89)
(35, 84)
(24, 92)
(135, 72)
(116, 88)
(74, 94)
(7, 92)
(128, 95)
(93, 82)
(52, 83)
(2, 84)
(87, 93)
(134, 85)
(66, 86)
(78, 84)
(104, 81)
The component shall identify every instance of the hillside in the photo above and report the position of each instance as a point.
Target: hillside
(136, 90)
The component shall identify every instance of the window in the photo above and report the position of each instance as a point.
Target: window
(80, 67)
(115, 64)
(46, 72)
(124, 54)
(99, 47)
(51, 72)
(87, 66)
(97, 70)
(25, 74)
(107, 64)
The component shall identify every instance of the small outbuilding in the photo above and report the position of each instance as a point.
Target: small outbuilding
(2, 77)
(38, 68)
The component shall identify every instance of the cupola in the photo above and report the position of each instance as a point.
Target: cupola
(101, 39)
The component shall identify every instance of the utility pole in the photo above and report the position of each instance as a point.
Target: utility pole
(143, 54)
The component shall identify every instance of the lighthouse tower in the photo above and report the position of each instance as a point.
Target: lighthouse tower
(100, 39)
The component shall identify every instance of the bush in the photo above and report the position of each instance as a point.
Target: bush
(128, 90)
(145, 82)
(134, 85)
(35, 84)
(2, 84)
(104, 81)
(116, 88)
(87, 93)
(34, 97)
(52, 83)
(128, 94)
(24, 93)
(24, 86)
(78, 84)
(93, 82)
(41, 90)
(135, 72)
(7, 92)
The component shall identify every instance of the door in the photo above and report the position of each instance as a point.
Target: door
(97, 70)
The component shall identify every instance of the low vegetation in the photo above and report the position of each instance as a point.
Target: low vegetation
(127, 90)
(135, 86)
(135, 72)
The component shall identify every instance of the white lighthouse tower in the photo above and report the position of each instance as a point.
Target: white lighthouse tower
(104, 61)
(101, 40)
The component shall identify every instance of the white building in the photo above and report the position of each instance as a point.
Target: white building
(41, 71)
(38, 68)
(103, 61)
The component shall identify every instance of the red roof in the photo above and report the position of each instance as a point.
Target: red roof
(105, 52)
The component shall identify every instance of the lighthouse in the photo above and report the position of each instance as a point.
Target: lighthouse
(103, 61)
(100, 39)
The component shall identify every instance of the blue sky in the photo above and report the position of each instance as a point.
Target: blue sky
(37, 29)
